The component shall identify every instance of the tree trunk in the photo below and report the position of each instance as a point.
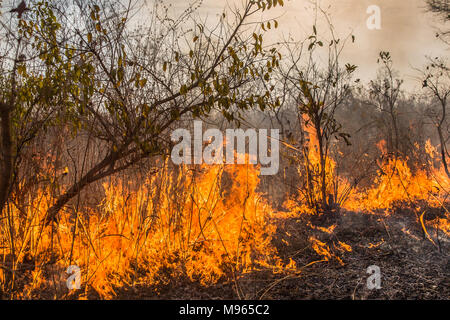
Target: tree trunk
(443, 150)
(396, 133)
(323, 173)
(5, 154)
(96, 173)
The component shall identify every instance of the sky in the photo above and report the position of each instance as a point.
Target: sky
(407, 30)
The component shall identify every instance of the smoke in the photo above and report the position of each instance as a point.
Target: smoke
(407, 30)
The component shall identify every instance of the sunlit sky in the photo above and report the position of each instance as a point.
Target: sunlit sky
(407, 30)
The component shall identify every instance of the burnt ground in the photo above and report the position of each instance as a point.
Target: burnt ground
(411, 266)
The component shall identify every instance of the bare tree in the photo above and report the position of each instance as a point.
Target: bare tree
(436, 81)
(442, 9)
(318, 90)
(385, 92)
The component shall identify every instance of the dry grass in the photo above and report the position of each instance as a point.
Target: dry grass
(176, 224)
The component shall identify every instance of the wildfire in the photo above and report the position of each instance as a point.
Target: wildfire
(311, 168)
(206, 223)
(397, 183)
(177, 223)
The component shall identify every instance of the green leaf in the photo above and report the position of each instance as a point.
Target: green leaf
(183, 89)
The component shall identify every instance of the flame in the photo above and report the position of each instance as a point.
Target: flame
(311, 169)
(177, 223)
(206, 223)
(375, 245)
(345, 246)
(324, 251)
(397, 183)
(321, 248)
(328, 230)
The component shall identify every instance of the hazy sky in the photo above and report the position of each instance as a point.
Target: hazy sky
(407, 31)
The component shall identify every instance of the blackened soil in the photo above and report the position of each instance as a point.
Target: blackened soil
(411, 265)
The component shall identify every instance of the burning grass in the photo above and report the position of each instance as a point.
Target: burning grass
(206, 224)
(397, 183)
(177, 224)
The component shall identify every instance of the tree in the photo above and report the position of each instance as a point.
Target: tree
(436, 81)
(130, 88)
(442, 9)
(318, 91)
(384, 92)
(33, 82)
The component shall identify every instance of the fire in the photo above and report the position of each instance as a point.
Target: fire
(180, 222)
(376, 245)
(324, 251)
(328, 230)
(321, 248)
(204, 223)
(345, 246)
(397, 183)
(311, 168)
